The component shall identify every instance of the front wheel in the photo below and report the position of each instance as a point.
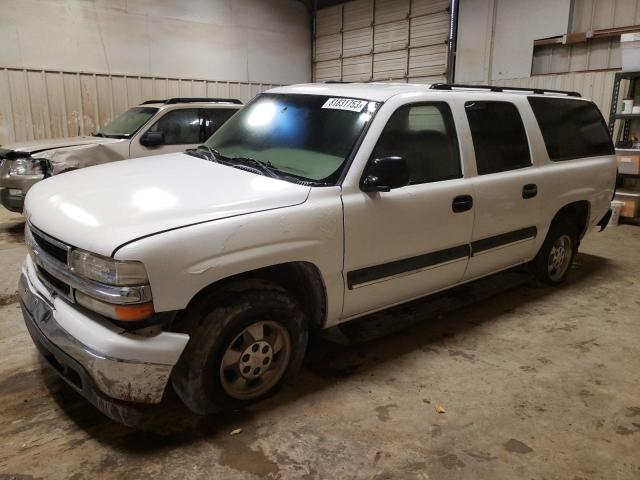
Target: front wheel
(551, 265)
(245, 340)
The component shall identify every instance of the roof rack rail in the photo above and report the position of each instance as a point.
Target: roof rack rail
(495, 88)
(335, 81)
(170, 101)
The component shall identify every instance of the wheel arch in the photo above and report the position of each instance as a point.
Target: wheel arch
(578, 210)
(302, 279)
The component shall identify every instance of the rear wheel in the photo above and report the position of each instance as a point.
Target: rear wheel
(552, 264)
(246, 339)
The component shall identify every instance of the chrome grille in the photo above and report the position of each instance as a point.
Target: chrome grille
(53, 247)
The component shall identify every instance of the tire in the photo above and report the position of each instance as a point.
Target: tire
(553, 262)
(224, 328)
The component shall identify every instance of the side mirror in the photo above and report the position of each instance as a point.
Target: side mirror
(384, 174)
(152, 139)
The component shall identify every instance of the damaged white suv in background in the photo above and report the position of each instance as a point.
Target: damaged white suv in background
(314, 205)
(152, 128)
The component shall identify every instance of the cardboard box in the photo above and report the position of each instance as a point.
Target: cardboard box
(628, 161)
(631, 200)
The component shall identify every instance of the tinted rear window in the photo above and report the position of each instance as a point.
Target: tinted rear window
(499, 138)
(571, 128)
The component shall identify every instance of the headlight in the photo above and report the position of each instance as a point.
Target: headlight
(107, 270)
(25, 166)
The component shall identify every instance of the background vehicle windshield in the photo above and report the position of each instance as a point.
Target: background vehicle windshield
(308, 136)
(128, 123)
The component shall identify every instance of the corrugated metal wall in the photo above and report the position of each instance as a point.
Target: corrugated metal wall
(589, 15)
(597, 86)
(368, 40)
(596, 54)
(37, 104)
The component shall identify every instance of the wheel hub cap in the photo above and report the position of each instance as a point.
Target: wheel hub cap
(560, 257)
(255, 360)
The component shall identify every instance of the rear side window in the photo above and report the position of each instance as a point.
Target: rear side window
(499, 138)
(424, 135)
(571, 128)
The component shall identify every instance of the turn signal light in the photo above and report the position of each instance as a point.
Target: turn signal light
(124, 313)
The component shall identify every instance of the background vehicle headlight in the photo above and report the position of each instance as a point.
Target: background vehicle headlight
(107, 270)
(25, 166)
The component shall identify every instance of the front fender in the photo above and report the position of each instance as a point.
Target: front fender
(184, 261)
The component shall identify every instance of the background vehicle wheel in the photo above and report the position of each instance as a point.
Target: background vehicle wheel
(552, 264)
(246, 339)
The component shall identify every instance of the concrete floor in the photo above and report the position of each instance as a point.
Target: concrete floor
(536, 383)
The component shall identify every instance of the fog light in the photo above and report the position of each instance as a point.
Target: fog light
(126, 313)
(15, 192)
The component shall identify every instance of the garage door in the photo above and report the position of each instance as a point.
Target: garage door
(382, 40)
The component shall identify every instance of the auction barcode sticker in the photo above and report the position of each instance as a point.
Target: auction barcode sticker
(350, 104)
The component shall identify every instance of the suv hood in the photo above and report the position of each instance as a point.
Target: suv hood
(37, 146)
(102, 207)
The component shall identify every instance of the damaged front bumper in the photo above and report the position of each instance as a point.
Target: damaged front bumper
(101, 362)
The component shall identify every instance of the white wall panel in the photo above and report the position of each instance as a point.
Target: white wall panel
(408, 39)
(328, 21)
(328, 47)
(329, 70)
(425, 7)
(357, 69)
(390, 10)
(432, 29)
(591, 15)
(595, 54)
(357, 42)
(358, 14)
(226, 40)
(37, 104)
(428, 61)
(391, 36)
(390, 65)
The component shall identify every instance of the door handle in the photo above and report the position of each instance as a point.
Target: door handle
(462, 203)
(530, 190)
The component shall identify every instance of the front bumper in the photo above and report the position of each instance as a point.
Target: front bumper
(97, 359)
(13, 203)
(22, 183)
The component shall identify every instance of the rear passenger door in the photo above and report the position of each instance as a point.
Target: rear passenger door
(507, 200)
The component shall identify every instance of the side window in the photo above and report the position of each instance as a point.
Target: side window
(179, 126)
(571, 128)
(213, 118)
(424, 135)
(499, 138)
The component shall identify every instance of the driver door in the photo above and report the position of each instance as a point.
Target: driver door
(181, 129)
(412, 240)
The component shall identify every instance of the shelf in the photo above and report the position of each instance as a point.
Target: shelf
(626, 116)
(628, 75)
(630, 220)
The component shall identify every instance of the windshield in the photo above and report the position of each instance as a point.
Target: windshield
(128, 123)
(306, 136)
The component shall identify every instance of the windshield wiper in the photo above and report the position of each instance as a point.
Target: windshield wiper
(206, 152)
(265, 167)
(97, 134)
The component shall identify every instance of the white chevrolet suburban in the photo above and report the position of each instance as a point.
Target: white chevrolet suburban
(314, 205)
(152, 128)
